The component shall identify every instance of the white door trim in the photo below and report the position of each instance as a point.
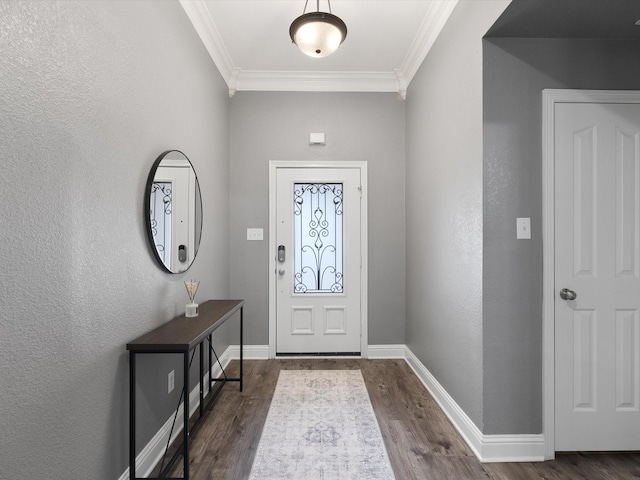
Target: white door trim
(274, 165)
(549, 99)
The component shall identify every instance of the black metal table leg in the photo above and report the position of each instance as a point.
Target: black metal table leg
(200, 379)
(241, 342)
(185, 456)
(210, 363)
(132, 415)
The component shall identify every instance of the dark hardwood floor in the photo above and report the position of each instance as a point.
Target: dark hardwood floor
(421, 441)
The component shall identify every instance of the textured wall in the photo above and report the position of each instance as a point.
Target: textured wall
(515, 73)
(444, 206)
(90, 94)
(276, 126)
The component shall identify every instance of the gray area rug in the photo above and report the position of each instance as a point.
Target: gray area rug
(321, 426)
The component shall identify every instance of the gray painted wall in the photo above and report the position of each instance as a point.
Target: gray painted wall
(90, 94)
(276, 126)
(444, 206)
(515, 73)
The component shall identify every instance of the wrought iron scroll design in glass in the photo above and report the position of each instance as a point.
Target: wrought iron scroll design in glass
(318, 238)
(161, 218)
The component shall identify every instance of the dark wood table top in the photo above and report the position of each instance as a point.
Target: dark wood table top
(184, 333)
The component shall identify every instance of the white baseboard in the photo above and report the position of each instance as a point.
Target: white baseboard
(249, 352)
(488, 448)
(513, 448)
(261, 352)
(386, 351)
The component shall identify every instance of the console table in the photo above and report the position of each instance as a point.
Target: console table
(181, 336)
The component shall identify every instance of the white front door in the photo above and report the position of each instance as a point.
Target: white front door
(597, 258)
(318, 260)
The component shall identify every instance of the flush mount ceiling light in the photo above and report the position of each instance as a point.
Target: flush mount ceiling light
(318, 34)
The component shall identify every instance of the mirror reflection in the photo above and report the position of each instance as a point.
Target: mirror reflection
(173, 206)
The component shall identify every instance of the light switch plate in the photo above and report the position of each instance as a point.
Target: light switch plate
(523, 228)
(254, 234)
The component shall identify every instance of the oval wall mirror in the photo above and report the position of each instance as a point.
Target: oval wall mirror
(173, 211)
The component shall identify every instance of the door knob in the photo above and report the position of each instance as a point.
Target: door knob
(567, 294)
(281, 271)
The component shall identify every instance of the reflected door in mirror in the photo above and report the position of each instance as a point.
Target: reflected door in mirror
(174, 211)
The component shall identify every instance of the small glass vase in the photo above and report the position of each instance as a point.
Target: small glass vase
(191, 310)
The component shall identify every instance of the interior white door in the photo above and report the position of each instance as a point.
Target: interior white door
(318, 260)
(597, 245)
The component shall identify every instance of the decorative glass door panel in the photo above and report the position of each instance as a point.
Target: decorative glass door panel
(318, 238)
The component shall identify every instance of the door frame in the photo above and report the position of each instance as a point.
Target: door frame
(274, 165)
(550, 97)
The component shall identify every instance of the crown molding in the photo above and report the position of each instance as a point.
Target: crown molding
(396, 81)
(433, 23)
(199, 15)
(272, 81)
(402, 84)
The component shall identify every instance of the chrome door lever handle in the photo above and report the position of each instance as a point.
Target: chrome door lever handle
(566, 294)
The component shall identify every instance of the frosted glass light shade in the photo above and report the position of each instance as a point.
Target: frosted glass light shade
(318, 34)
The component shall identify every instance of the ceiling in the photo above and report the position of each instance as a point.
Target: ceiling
(250, 44)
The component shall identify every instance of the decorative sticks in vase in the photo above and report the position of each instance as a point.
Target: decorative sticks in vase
(191, 310)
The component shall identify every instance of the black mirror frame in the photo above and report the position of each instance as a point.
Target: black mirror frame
(147, 216)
